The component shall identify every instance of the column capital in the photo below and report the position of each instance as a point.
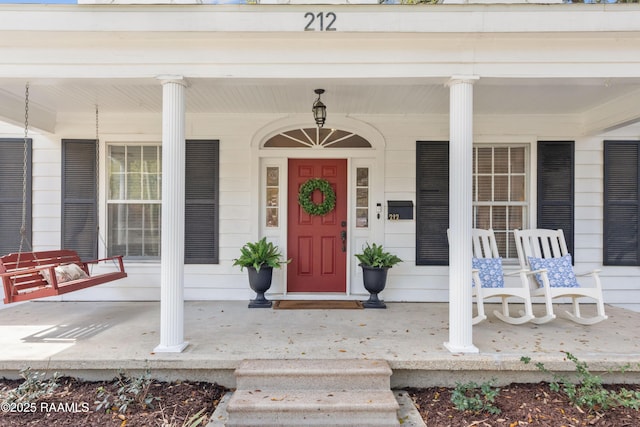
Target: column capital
(454, 80)
(172, 78)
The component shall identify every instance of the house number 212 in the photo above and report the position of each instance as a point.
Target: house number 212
(320, 21)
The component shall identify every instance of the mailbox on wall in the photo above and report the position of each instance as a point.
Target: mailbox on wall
(399, 209)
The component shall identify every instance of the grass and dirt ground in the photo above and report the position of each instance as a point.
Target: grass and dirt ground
(41, 400)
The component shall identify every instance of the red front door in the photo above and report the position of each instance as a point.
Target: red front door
(315, 243)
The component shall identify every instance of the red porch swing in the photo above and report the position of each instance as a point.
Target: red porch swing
(31, 275)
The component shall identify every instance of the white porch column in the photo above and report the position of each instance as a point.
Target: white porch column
(173, 182)
(460, 214)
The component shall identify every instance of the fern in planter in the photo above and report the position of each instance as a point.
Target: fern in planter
(375, 256)
(256, 256)
(260, 254)
(375, 262)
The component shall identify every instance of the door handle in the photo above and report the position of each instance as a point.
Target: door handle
(343, 236)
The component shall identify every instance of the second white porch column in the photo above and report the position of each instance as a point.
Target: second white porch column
(172, 243)
(460, 214)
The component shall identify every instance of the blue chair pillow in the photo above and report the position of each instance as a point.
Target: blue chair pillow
(559, 271)
(490, 271)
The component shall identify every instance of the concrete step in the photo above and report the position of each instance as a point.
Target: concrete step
(312, 408)
(333, 374)
(312, 393)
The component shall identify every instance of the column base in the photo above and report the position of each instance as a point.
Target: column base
(461, 349)
(178, 348)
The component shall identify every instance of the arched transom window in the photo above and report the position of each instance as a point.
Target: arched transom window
(317, 138)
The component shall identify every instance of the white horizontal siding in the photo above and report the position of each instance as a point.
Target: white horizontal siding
(407, 282)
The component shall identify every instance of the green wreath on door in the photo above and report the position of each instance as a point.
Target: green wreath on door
(328, 197)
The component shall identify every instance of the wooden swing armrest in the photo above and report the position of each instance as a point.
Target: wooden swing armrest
(33, 271)
(94, 261)
(112, 258)
(27, 271)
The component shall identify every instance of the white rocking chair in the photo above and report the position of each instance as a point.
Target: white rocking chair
(544, 253)
(488, 280)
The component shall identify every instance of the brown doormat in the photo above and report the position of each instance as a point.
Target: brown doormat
(316, 305)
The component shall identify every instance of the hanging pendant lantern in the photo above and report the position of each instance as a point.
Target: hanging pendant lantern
(319, 109)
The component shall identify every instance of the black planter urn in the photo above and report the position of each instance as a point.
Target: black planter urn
(375, 279)
(260, 282)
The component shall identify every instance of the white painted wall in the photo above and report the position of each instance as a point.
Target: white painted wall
(239, 199)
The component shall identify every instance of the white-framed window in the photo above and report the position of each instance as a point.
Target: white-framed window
(272, 189)
(134, 200)
(362, 197)
(500, 197)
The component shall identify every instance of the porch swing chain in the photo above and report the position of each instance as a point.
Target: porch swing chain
(23, 226)
(100, 236)
(98, 173)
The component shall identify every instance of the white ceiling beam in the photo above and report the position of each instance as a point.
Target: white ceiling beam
(611, 115)
(12, 110)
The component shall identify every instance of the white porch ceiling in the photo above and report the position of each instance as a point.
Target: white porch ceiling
(50, 98)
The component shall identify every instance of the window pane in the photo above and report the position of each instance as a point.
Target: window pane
(151, 231)
(501, 188)
(362, 197)
(117, 186)
(499, 217)
(117, 177)
(116, 159)
(272, 217)
(150, 157)
(516, 217)
(134, 216)
(501, 160)
(134, 186)
(362, 218)
(152, 244)
(517, 160)
(484, 160)
(484, 189)
(517, 189)
(272, 196)
(272, 176)
(511, 251)
(134, 160)
(501, 241)
(483, 217)
(152, 190)
(362, 177)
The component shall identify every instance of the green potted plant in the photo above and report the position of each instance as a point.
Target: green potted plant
(375, 263)
(260, 258)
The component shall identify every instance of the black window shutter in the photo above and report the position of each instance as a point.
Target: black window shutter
(432, 203)
(555, 188)
(79, 197)
(201, 202)
(621, 203)
(12, 153)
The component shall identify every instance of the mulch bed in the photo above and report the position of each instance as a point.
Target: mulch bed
(521, 405)
(74, 404)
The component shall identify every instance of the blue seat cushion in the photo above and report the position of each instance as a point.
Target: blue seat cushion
(559, 271)
(490, 271)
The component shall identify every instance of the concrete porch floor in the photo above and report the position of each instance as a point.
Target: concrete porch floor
(94, 340)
